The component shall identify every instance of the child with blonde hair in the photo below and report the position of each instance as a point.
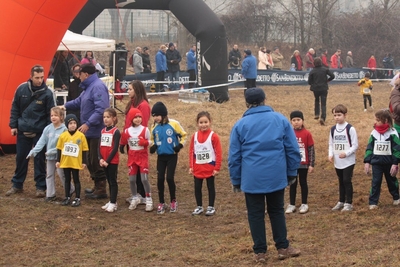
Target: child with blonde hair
(49, 140)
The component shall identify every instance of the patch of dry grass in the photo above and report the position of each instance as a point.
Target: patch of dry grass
(35, 233)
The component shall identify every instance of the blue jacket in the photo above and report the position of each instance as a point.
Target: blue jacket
(30, 109)
(249, 67)
(49, 140)
(91, 102)
(191, 63)
(167, 136)
(263, 151)
(161, 61)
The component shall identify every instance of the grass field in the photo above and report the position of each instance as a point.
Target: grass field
(35, 233)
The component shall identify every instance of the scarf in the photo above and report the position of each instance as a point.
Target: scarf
(382, 128)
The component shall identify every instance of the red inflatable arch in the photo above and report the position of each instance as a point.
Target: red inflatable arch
(31, 31)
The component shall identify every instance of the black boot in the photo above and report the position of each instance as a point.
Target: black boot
(91, 190)
(99, 192)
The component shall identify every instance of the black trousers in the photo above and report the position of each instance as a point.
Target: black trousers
(345, 184)
(68, 172)
(166, 164)
(192, 77)
(302, 175)
(160, 78)
(198, 184)
(111, 172)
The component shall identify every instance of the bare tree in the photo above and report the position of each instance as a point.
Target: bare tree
(323, 14)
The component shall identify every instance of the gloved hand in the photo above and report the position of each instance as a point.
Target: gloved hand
(370, 88)
(153, 149)
(291, 179)
(366, 168)
(121, 149)
(178, 148)
(142, 141)
(362, 81)
(236, 188)
(394, 170)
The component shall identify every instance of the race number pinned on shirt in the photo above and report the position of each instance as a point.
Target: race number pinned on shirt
(303, 154)
(106, 139)
(70, 149)
(367, 90)
(203, 156)
(133, 143)
(340, 144)
(382, 148)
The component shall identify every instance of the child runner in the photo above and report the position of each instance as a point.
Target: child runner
(383, 153)
(205, 155)
(49, 139)
(343, 144)
(307, 152)
(365, 89)
(137, 138)
(167, 137)
(109, 156)
(71, 156)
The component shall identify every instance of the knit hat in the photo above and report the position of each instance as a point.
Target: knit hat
(88, 68)
(71, 117)
(367, 74)
(159, 109)
(296, 114)
(170, 44)
(145, 48)
(254, 95)
(248, 52)
(134, 112)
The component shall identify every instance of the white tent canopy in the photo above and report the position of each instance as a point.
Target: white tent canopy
(76, 42)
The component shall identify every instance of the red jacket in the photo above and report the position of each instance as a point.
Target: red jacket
(144, 107)
(335, 62)
(203, 171)
(371, 63)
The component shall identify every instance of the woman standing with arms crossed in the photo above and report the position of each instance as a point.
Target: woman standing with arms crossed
(138, 100)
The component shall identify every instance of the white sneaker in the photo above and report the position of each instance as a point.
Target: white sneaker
(290, 209)
(396, 202)
(142, 199)
(198, 210)
(365, 110)
(149, 204)
(371, 107)
(111, 207)
(338, 206)
(129, 199)
(135, 201)
(210, 211)
(106, 205)
(373, 207)
(303, 208)
(347, 207)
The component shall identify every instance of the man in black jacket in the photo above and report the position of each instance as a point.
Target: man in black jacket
(173, 60)
(234, 58)
(30, 114)
(146, 60)
(318, 81)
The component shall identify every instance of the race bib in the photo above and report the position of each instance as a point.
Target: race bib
(133, 143)
(340, 144)
(382, 148)
(367, 90)
(303, 154)
(71, 149)
(106, 139)
(203, 157)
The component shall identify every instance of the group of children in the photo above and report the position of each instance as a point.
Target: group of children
(67, 148)
(382, 153)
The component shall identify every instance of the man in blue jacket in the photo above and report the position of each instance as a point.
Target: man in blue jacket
(30, 114)
(249, 69)
(263, 157)
(92, 102)
(191, 65)
(161, 67)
